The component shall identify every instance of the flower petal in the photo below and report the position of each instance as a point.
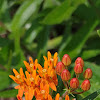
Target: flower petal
(67, 97)
(49, 97)
(57, 96)
(30, 60)
(27, 66)
(15, 72)
(49, 55)
(55, 55)
(52, 85)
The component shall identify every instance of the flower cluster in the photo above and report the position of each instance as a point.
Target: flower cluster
(40, 81)
(62, 70)
(37, 79)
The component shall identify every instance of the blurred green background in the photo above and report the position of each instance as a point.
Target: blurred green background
(32, 27)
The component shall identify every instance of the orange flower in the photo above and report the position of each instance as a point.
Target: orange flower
(19, 77)
(52, 61)
(42, 93)
(29, 94)
(58, 96)
(67, 97)
(31, 65)
(32, 79)
(49, 75)
(37, 80)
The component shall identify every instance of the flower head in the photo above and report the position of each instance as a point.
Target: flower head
(51, 60)
(31, 65)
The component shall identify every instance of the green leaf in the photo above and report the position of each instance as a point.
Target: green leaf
(98, 31)
(90, 53)
(4, 42)
(84, 12)
(53, 43)
(8, 93)
(4, 80)
(95, 84)
(32, 32)
(42, 42)
(78, 40)
(92, 96)
(62, 12)
(23, 14)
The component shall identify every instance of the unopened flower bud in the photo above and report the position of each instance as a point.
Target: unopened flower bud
(66, 60)
(65, 75)
(85, 85)
(74, 83)
(78, 68)
(79, 60)
(60, 67)
(88, 73)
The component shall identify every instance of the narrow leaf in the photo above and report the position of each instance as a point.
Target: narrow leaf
(62, 12)
(8, 93)
(78, 40)
(92, 96)
(98, 31)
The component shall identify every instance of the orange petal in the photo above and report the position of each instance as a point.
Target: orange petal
(31, 93)
(34, 74)
(20, 92)
(67, 97)
(45, 65)
(55, 55)
(12, 77)
(49, 97)
(45, 58)
(36, 61)
(49, 55)
(26, 96)
(19, 98)
(55, 61)
(27, 66)
(15, 72)
(30, 60)
(17, 87)
(21, 73)
(57, 96)
(27, 75)
(40, 67)
(46, 87)
(37, 79)
(52, 85)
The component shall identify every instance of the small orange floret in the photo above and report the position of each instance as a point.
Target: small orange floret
(67, 97)
(31, 65)
(52, 61)
(57, 96)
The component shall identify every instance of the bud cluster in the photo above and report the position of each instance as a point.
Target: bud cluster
(62, 70)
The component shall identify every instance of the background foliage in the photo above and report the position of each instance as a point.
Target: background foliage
(32, 27)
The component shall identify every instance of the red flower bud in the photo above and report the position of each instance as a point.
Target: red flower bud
(74, 83)
(88, 73)
(79, 60)
(60, 67)
(65, 75)
(66, 60)
(85, 85)
(78, 68)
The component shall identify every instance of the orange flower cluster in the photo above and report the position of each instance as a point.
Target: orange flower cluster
(37, 79)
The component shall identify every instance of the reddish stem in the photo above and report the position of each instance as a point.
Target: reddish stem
(78, 92)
